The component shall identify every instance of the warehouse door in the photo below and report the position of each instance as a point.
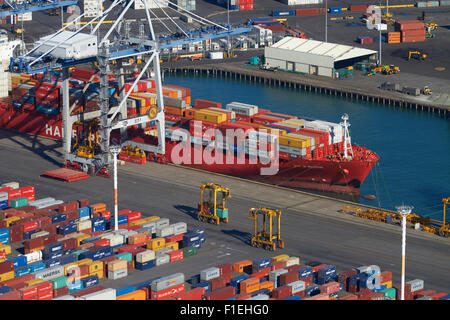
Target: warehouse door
(289, 66)
(314, 70)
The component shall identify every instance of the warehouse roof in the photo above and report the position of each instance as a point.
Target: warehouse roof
(336, 51)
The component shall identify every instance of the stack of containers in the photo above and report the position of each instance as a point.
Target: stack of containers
(411, 30)
(167, 286)
(188, 5)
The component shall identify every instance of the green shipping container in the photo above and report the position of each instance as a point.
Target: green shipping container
(389, 292)
(77, 253)
(222, 213)
(189, 251)
(125, 256)
(59, 282)
(19, 202)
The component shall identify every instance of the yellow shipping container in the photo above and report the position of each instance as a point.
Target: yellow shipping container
(95, 266)
(274, 131)
(294, 142)
(156, 244)
(81, 237)
(151, 218)
(99, 274)
(388, 284)
(173, 245)
(143, 220)
(6, 248)
(150, 97)
(266, 285)
(11, 219)
(7, 276)
(280, 257)
(33, 282)
(86, 261)
(210, 116)
(69, 266)
(2, 260)
(135, 295)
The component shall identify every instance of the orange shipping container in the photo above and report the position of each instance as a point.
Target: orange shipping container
(98, 207)
(240, 265)
(266, 285)
(135, 295)
(249, 285)
(139, 238)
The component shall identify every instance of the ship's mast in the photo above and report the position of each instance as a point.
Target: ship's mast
(347, 139)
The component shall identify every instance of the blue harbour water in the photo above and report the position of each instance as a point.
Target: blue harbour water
(414, 146)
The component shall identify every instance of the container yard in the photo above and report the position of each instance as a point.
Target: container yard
(115, 185)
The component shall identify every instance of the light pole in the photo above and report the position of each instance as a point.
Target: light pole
(404, 211)
(326, 20)
(115, 150)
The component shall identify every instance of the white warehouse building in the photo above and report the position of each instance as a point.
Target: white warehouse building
(313, 57)
(68, 45)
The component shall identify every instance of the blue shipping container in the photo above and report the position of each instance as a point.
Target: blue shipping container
(4, 232)
(145, 265)
(53, 262)
(54, 247)
(283, 13)
(304, 272)
(19, 261)
(27, 235)
(203, 285)
(293, 298)
(74, 286)
(52, 255)
(145, 284)
(58, 217)
(4, 204)
(336, 10)
(89, 281)
(4, 240)
(68, 258)
(37, 266)
(22, 271)
(312, 290)
(235, 281)
(125, 290)
(261, 263)
(85, 211)
(5, 289)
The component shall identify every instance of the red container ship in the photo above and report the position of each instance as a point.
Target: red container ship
(311, 154)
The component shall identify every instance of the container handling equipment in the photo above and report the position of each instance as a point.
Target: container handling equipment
(212, 205)
(266, 236)
(444, 231)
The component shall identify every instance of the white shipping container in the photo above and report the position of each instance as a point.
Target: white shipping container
(50, 273)
(39, 234)
(259, 297)
(41, 201)
(416, 285)
(116, 240)
(297, 286)
(34, 256)
(83, 225)
(3, 196)
(14, 185)
(106, 294)
(168, 281)
(164, 231)
(161, 252)
(49, 204)
(209, 273)
(66, 297)
(114, 275)
(216, 55)
(145, 256)
(163, 222)
(273, 276)
(292, 261)
(179, 227)
(68, 45)
(162, 259)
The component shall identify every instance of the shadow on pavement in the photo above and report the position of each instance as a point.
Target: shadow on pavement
(190, 211)
(245, 237)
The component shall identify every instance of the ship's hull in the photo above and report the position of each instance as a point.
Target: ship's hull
(341, 176)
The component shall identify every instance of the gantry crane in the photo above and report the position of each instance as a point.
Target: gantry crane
(45, 57)
(444, 231)
(212, 206)
(266, 237)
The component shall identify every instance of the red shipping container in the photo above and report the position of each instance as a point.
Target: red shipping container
(176, 255)
(134, 228)
(133, 216)
(29, 226)
(29, 293)
(282, 292)
(124, 212)
(330, 287)
(243, 296)
(288, 277)
(277, 265)
(5, 189)
(6, 266)
(439, 295)
(44, 287)
(72, 215)
(70, 243)
(70, 206)
(359, 8)
(102, 242)
(61, 291)
(385, 276)
(413, 39)
(413, 33)
(265, 119)
(127, 248)
(51, 228)
(49, 239)
(87, 291)
(316, 268)
(193, 294)
(106, 214)
(83, 203)
(308, 12)
(201, 104)
(227, 276)
(308, 281)
(34, 243)
(261, 273)
(217, 283)
(175, 238)
(17, 280)
(220, 294)
(138, 250)
(169, 292)
(12, 295)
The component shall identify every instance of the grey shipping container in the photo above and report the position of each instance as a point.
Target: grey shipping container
(162, 259)
(390, 86)
(444, 3)
(411, 91)
(167, 281)
(163, 222)
(427, 4)
(209, 273)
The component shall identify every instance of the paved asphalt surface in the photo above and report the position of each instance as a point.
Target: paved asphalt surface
(311, 226)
